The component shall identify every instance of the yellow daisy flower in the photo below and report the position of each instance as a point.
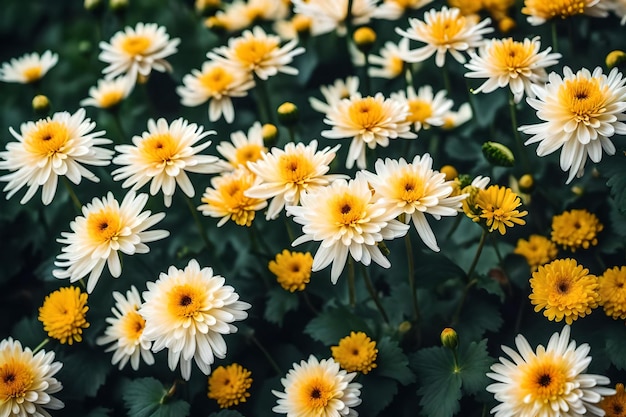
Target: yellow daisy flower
(498, 206)
(576, 229)
(613, 292)
(292, 269)
(614, 405)
(63, 314)
(356, 352)
(538, 250)
(229, 385)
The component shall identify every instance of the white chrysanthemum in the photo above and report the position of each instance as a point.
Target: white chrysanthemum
(259, 53)
(414, 189)
(330, 15)
(540, 11)
(507, 62)
(425, 109)
(286, 174)
(217, 84)
(299, 25)
(369, 121)
(618, 7)
(106, 228)
(240, 15)
(188, 312)
(29, 68)
(27, 381)
(243, 149)
(346, 218)
(162, 156)
(109, 93)
(581, 111)
(334, 93)
(549, 382)
(138, 51)
(456, 118)
(391, 60)
(395, 9)
(444, 31)
(125, 331)
(318, 388)
(49, 148)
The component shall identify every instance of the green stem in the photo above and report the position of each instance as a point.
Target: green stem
(267, 355)
(203, 235)
(309, 304)
(372, 291)
(408, 75)
(263, 100)
(351, 287)
(366, 76)
(470, 98)
(41, 345)
(169, 393)
(459, 308)
(555, 38)
(446, 79)
(494, 242)
(118, 124)
(518, 140)
(349, 21)
(72, 194)
(289, 230)
(479, 250)
(411, 268)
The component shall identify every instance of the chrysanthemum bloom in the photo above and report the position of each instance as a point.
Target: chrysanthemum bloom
(27, 381)
(576, 229)
(395, 9)
(240, 15)
(51, 147)
(259, 53)
(216, 83)
(63, 314)
(162, 156)
(334, 93)
(346, 218)
(106, 228)
(369, 121)
(296, 27)
(125, 331)
(613, 292)
(318, 388)
(330, 15)
(549, 382)
(187, 311)
(292, 269)
(356, 353)
(244, 148)
(498, 207)
(425, 109)
(614, 405)
(286, 174)
(109, 93)
(414, 190)
(138, 51)
(540, 11)
(618, 7)
(537, 250)
(29, 68)
(507, 62)
(565, 290)
(581, 112)
(227, 199)
(390, 61)
(444, 31)
(453, 119)
(229, 385)
(470, 208)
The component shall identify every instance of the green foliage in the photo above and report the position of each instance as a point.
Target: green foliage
(147, 397)
(279, 303)
(392, 362)
(336, 323)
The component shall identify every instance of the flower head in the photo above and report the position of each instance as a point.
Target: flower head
(453, 119)
(537, 250)
(565, 290)
(27, 381)
(138, 51)
(244, 148)
(125, 331)
(612, 290)
(425, 108)
(49, 148)
(614, 405)
(507, 62)
(540, 11)
(188, 312)
(549, 382)
(29, 68)
(109, 93)
(581, 111)
(334, 93)
(318, 388)
(63, 314)
(395, 9)
(618, 7)
(106, 228)
(575, 229)
(162, 156)
(369, 121)
(356, 353)
(292, 269)
(498, 207)
(331, 15)
(390, 61)
(229, 385)
(346, 218)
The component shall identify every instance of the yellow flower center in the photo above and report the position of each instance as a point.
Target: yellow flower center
(366, 113)
(251, 52)
(133, 325)
(216, 80)
(48, 138)
(315, 394)
(443, 28)
(301, 23)
(554, 8)
(160, 148)
(544, 380)
(248, 153)
(396, 65)
(111, 98)
(583, 98)
(186, 301)
(136, 44)
(253, 13)
(419, 110)
(104, 225)
(32, 73)
(295, 168)
(512, 56)
(16, 379)
(347, 210)
(408, 187)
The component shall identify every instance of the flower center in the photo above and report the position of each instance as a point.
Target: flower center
(583, 98)
(248, 153)
(104, 226)
(160, 148)
(32, 73)
(419, 110)
(251, 52)
(554, 8)
(48, 138)
(396, 65)
(16, 378)
(294, 168)
(544, 380)
(408, 187)
(512, 56)
(185, 301)
(367, 113)
(111, 98)
(316, 394)
(216, 80)
(135, 44)
(444, 29)
(347, 210)
(133, 325)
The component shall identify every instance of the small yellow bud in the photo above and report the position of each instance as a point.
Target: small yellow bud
(269, 132)
(41, 103)
(142, 79)
(615, 58)
(118, 6)
(216, 24)
(206, 7)
(302, 24)
(364, 38)
(578, 190)
(288, 114)
(506, 25)
(85, 47)
(92, 5)
(526, 183)
(404, 327)
(449, 338)
(450, 172)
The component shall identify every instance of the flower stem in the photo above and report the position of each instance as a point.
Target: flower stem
(351, 287)
(263, 100)
(41, 345)
(518, 140)
(267, 355)
(555, 38)
(479, 250)
(72, 194)
(118, 124)
(207, 244)
(366, 75)
(309, 304)
(411, 268)
(446, 79)
(459, 308)
(372, 291)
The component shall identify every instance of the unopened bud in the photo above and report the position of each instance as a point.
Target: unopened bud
(578, 190)
(450, 172)
(506, 25)
(216, 24)
(207, 7)
(449, 338)
(118, 6)
(497, 154)
(269, 132)
(288, 114)
(93, 5)
(404, 327)
(41, 104)
(364, 39)
(526, 183)
(615, 58)
(302, 24)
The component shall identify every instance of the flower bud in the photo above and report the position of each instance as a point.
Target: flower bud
(497, 154)
(288, 114)
(449, 338)
(93, 5)
(449, 171)
(302, 25)
(404, 327)
(506, 24)
(615, 58)
(41, 104)
(526, 183)
(118, 6)
(269, 132)
(207, 7)
(216, 24)
(364, 38)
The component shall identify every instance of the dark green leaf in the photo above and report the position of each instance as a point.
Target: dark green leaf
(615, 342)
(479, 315)
(226, 413)
(490, 284)
(143, 397)
(433, 268)
(279, 302)
(335, 324)
(29, 331)
(392, 362)
(440, 386)
(474, 363)
(614, 169)
(77, 383)
(376, 393)
(98, 412)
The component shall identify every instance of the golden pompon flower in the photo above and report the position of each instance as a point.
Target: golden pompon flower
(63, 314)
(614, 405)
(537, 250)
(229, 385)
(613, 292)
(356, 353)
(565, 290)
(540, 11)
(576, 229)
(292, 269)
(498, 206)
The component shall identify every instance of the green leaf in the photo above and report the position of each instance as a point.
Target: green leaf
(614, 168)
(279, 302)
(77, 383)
(335, 324)
(615, 342)
(143, 397)
(478, 316)
(490, 284)
(440, 386)
(98, 412)
(29, 331)
(392, 362)
(434, 268)
(474, 362)
(376, 393)
(226, 413)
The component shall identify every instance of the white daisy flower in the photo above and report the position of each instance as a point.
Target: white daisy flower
(425, 109)
(540, 11)
(334, 93)
(138, 51)
(243, 148)
(162, 156)
(188, 312)
(240, 15)
(106, 228)
(455, 118)
(346, 218)
(330, 15)
(56, 146)
(29, 68)
(618, 7)
(109, 93)
(395, 9)
(581, 111)
(125, 331)
(391, 60)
